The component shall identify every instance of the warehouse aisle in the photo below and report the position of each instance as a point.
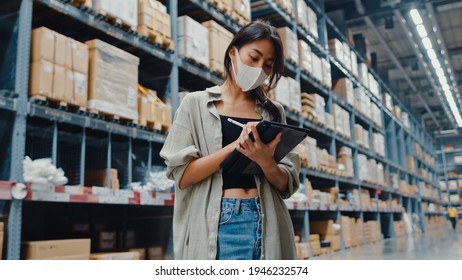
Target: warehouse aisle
(438, 244)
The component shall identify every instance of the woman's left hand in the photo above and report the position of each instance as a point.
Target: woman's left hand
(261, 153)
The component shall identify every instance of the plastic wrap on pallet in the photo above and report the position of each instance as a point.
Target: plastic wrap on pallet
(336, 49)
(113, 80)
(125, 10)
(317, 67)
(354, 63)
(304, 56)
(289, 41)
(363, 74)
(219, 39)
(193, 40)
(287, 92)
(326, 73)
(302, 14)
(347, 56)
(312, 22)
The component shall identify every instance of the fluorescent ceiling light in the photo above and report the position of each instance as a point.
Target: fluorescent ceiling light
(436, 63)
(427, 43)
(416, 16)
(431, 54)
(439, 72)
(422, 31)
(443, 80)
(445, 86)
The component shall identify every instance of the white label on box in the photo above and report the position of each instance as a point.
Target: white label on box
(47, 68)
(131, 96)
(80, 84)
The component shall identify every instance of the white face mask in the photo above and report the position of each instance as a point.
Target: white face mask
(248, 77)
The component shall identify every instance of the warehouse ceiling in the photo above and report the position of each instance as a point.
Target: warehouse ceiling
(385, 15)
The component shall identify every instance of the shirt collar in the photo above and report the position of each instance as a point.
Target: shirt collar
(215, 95)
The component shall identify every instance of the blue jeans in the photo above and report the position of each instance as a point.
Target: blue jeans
(239, 229)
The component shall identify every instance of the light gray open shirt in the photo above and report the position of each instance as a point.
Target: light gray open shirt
(196, 132)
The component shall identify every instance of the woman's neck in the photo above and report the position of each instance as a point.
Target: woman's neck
(233, 92)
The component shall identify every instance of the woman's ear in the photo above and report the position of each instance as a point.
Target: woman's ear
(232, 52)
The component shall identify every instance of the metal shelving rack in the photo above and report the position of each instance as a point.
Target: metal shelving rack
(446, 164)
(172, 74)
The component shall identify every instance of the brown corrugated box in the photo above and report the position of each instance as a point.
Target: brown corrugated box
(289, 40)
(140, 251)
(43, 44)
(80, 89)
(60, 50)
(2, 226)
(303, 250)
(115, 256)
(100, 178)
(41, 80)
(77, 56)
(219, 39)
(59, 76)
(146, 104)
(57, 249)
(113, 80)
(155, 253)
(322, 227)
(334, 240)
(153, 15)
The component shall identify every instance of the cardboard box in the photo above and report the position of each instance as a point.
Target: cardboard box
(334, 240)
(43, 44)
(322, 227)
(59, 77)
(410, 164)
(153, 16)
(115, 256)
(289, 41)
(2, 226)
(317, 67)
(77, 57)
(303, 250)
(102, 179)
(60, 50)
(57, 249)
(242, 7)
(69, 86)
(155, 253)
(113, 80)
(141, 252)
(193, 40)
(146, 108)
(344, 88)
(41, 80)
(1, 244)
(125, 10)
(304, 56)
(219, 39)
(80, 89)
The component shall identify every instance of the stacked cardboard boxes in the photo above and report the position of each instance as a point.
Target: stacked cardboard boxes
(67, 249)
(410, 164)
(343, 87)
(346, 230)
(303, 249)
(315, 243)
(363, 169)
(397, 112)
(152, 112)
(336, 49)
(381, 174)
(304, 57)
(242, 9)
(388, 101)
(330, 123)
(131, 255)
(154, 22)
(312, 152)
(378, 141)
(327, 232)
(362, 136)
(193, 40)
(287, 92)
(399, 228)
(362, 102)
(289, 42)
(405, 119)
(365, 198)
(307, 18)
(314, 104)
(342, 121)
(373, 85)
(124, 10)
(372, 231)
(326, 73)
(219, 39)
(113, 80)
(59, 68)
(101, 178)
(317, 68)
(363, 74)
(354, 63)
(376, 115)
(2, 234)
(345, 161)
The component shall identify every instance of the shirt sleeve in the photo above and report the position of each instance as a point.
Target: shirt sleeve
(290, 163)
(179, 148)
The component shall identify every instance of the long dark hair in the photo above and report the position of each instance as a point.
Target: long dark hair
(254, 31)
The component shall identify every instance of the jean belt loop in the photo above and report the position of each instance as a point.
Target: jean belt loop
(237, 207)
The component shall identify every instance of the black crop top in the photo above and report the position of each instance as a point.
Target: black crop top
(230, 133)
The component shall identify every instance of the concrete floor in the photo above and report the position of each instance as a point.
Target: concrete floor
(441, 244)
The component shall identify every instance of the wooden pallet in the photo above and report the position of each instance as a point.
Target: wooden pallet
(195, 62)
(111, 117)
(114, 20)
(59, 104)
(155, 37)
(240, 20)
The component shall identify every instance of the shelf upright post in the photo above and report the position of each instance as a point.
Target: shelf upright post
(109, 158)
(173, 92)
(130, 150)
(322, 25)
(445, 172)
(54, 146)
(150, 156)
(83, 151)
(23, 29)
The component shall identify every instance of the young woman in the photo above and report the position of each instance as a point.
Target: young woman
(218, 215)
